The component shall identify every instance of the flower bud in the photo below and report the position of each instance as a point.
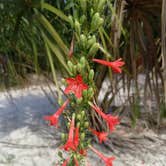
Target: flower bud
(83, 4)
(101, 5)
(82, 136)
(83, 61)
(70, 65)
(94, 49)
(82, 114)
(94, 21)
(63, 81)
(79, 116)
(83, 40)
(78, 124)
(91, 75)
(90, 92)
(79, 67)
(77, 27)
(63, 136)
(91, 41)
(86, 124)
(79, 100)
(82, 19)
(85, 94)
(71, 20)
(75, 69)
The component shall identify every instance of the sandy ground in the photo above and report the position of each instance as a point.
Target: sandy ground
(26, 140)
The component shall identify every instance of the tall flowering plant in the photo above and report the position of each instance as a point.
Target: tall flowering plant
(80, 87)
(80, 90)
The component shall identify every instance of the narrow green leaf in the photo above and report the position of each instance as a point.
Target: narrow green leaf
(54, 10)
(43, 20)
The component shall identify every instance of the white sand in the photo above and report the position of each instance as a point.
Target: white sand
(26, 139)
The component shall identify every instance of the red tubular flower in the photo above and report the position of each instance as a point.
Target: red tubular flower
(107, 160)
(65, 162)
(76, 162)
(115, 65)
(102, 136)
(76, 137)
(53, 119)
(83, 152)
(70, 144)
(111, 120)
(76, 86)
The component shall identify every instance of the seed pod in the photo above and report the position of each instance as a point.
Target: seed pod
(71, 20)
(91, 75)
(94, 49)
(77, 27)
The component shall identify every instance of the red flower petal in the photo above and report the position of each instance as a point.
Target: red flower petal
(53, 119)
(102, 136)
(76, 137)
(107, 160)
(65, 162)
(75, 86)
(76, 162)
(115, 65)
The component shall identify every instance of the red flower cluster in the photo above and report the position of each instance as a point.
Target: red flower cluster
(115, 65)
(75, 86)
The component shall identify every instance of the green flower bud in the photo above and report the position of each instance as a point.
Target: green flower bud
(72, 104)
(83, 4)
(82, 136)
(94, 22)
(74, 69)
(82, 19)
(71, 20)
(94, 49)
(91, 75)
(91, 41)
(83, 61)
(86, 124)
(100, 22)
(70, 65)
(101, 5)
(63, 136)
(90, 92)
(83, 40)
(79, 67)
(63, 81)
(85, 94)
(77, 27)
(82, 114)
(78, 124)
(79, 100)
(79, 116)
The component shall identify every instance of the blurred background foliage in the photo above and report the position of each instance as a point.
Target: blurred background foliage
(36, 38)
